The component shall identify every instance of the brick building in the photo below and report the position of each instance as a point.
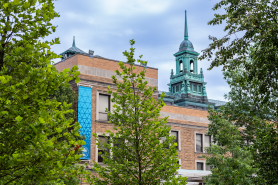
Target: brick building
(186, 103)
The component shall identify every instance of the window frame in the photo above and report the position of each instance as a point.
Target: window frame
(195, 88)
(179, 138)
(176, 87)
(191, 63)
(181, 66)
(203, 141)
(204, 165)
(179, 160)
(96, 152)
(98, 102)
(199, 89)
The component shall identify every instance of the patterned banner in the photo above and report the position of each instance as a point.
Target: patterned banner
(84, 118)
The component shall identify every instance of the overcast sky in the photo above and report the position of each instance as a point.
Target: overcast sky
(157, 26)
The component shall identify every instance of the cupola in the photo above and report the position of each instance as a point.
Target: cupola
(72, 51)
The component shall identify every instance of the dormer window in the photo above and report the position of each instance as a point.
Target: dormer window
(176, 87)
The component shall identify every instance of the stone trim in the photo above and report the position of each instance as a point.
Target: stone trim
(86, 82)
(184, 117)
(97, 56)
(186, 125)
(108, 74)
(169, 124)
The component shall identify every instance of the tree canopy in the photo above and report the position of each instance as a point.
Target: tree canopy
(140, 149)
(250, 66)
(38, 144)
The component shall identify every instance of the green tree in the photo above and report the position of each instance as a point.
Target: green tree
(38, 143)
(142, 150)
(258, 135)
(230, 158)
(248, 55)
(67, 94)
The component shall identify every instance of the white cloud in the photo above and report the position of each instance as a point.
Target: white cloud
(75, 16)
(106, 26)
(134, 7)
(129, 32)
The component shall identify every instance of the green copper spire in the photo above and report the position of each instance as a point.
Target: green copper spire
(73, 43)
(72, 51)
(185, 28)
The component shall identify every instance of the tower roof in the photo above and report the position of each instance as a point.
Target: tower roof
(73, 49)
(186, 44)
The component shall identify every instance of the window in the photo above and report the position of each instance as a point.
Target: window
(176, 134)
(207, 141)
(208, 168)
(200, 89)
(176, 140)
(177, 88)
(102, 140)
(181, 66)
(202, 142)
(191, 66)
(118, 144)
(104, 102)
(179, 163)
(200, 166)
(199, 142)
(162, 140)
(195, 88)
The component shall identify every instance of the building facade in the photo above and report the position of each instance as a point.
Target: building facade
(186, 103)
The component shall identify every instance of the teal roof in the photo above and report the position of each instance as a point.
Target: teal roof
(217, 102)
(73, 49)
(186, 45)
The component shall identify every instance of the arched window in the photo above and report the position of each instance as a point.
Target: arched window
(191, 66)
(181, 66)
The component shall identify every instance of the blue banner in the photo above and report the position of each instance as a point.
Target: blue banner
(84, 118)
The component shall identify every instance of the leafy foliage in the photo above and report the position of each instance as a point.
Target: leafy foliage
(258, 129)
(256, 20)
(142, 152)
(66, 94)
(250, 65)
(38, 143)
(230, 158)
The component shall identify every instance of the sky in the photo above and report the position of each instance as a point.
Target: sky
(157, 26)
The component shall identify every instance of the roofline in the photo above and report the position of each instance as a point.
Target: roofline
(184, 51)
(76, 52)
(96, 56)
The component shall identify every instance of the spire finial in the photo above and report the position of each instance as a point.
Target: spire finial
(73, 43)
(185, 28)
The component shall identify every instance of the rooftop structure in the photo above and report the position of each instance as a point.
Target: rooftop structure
(72, 51)
(187, 87)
